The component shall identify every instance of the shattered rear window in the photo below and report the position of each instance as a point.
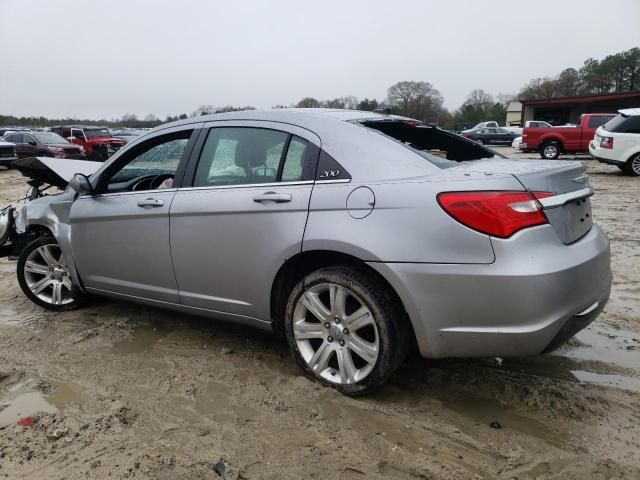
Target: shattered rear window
(441, 148)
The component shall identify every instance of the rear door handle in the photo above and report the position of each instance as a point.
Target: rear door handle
(151, 203)
(273, 197)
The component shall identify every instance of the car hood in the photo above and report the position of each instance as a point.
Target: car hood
(54, 171)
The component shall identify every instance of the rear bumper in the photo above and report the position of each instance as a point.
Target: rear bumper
(603, 155)
(537, 294)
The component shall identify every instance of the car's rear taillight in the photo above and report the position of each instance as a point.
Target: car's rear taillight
(499, 214)
(606, 142)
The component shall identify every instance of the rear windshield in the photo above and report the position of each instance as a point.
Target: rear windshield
(623, 124)
(441, 148)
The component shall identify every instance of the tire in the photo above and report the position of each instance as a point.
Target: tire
(325, 344)
(550, 150)
(41, 266)
(632, 167)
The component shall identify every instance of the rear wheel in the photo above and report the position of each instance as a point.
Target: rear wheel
(346, 329)
(44, 277)
(632, 167)
(550, 150)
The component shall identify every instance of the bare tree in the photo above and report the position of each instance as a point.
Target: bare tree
(308, 102)
(419, 100)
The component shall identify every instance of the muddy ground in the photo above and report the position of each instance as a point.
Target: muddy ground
(124, 391)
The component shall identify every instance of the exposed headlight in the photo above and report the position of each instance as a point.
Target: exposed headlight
(56, 149)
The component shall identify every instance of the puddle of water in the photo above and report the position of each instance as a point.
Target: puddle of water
(21, 400)
(607, 346)
(144, 339)
(609, 380)
(24, 405)
(485, 411)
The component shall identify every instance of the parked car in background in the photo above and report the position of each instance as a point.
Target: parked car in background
(617, 142)
(127, 135)
(98, 143)
(7, 153)
(43, 144)
(355, 235)
(550, 143)
(491, 136)
(490, 124)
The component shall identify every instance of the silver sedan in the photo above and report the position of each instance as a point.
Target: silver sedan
(357, 235)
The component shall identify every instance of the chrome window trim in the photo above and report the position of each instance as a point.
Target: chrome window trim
(247, 185)
(221, 187)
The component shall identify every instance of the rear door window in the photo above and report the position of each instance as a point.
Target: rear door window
(248, 155)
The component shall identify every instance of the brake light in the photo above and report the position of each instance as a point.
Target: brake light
(499, 214)
(606, 142)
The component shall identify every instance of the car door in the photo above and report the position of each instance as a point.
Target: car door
(120, 234)
(243, 215)
(29, 145)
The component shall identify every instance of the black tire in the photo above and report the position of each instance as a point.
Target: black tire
(550, 150)
(632, 166)
(391, 322)
(97, 155)
(69, 299)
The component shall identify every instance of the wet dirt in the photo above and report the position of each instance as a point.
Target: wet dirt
(124, 391)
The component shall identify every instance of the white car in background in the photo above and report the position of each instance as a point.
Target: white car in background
(617, 142)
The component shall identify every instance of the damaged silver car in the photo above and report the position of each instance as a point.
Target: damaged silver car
(357, 235)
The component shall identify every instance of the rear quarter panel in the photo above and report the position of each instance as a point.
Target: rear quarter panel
(406, 224)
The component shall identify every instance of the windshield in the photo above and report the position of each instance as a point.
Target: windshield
(96, 132)
(49, 138)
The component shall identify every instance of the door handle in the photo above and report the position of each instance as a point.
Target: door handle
(272, 197)
(151, 203)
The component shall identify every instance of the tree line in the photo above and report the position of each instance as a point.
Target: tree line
(619, 72)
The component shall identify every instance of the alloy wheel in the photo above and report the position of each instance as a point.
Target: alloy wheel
(47, 276)
(336, 334)
(635, 165)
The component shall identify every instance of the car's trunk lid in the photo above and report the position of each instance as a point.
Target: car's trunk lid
(568, 209)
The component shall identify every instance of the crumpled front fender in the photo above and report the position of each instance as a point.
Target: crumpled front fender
(51, 212)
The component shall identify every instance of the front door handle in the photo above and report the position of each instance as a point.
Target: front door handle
(151, 203)
(273, 197)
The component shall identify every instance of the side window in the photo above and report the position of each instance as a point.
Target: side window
(78, 134)
(28, 138)
(16, 138)
(156, 159)
(65, 133)
(296, 162)
(631, 125)
(241, 156)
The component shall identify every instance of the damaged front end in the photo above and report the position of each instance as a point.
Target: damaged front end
(46, 206)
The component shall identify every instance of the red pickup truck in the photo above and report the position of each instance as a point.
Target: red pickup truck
(551, 142)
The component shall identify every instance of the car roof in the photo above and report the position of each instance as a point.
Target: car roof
(629, 112)
(78, 126)
(305, 115)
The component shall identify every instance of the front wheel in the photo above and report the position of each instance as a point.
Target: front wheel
(346, 329)
(44, 277)
(632, 167)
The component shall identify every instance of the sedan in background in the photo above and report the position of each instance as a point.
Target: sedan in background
(43, 144)
(492, 136)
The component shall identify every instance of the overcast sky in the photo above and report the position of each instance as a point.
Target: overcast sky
(101, 59)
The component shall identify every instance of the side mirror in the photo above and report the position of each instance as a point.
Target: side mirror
(81, 184)
(32, 143)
